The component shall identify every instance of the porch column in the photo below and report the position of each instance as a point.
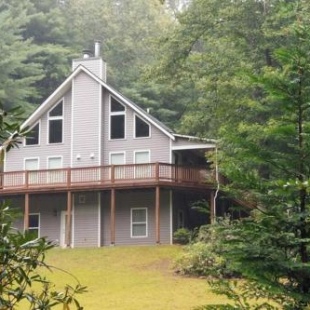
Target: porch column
(68, 219)
(212, 208)
(26, 213)
(112, 216)
(157, 214)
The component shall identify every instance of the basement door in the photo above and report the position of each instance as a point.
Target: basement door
(63, 228)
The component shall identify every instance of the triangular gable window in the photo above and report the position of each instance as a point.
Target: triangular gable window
(142, 129)
(55, 129)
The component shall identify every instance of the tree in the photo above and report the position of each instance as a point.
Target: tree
(22, 256)
(266, 157)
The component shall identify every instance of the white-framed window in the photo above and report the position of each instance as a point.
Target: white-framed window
(143, 170)
(141, 129)
(117, 120)
(33, 137)
(118, 158)
(55, 162)
(55, 124)
(139, 221)
(34, 224)
(31, 164)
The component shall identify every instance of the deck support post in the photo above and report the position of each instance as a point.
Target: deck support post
(212, 208)
(68, 219)
(157, 214)
(26, 213)
(112, 216)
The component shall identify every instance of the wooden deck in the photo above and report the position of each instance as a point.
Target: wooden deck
(105, 177)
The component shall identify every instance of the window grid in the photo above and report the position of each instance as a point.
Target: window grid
(55, 124)
(34, 224)
(117, 120)
(139, 223)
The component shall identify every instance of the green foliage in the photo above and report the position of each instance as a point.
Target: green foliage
(202, 257)
(182, 236)
(21, 259)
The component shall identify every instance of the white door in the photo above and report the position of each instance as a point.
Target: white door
(143, 170)
(55, 176)
(32, 164)
(118, 159)
(63, 228)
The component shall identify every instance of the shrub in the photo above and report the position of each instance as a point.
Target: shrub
(182, 236)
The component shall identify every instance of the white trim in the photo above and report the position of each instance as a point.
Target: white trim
(99, 219)
(51, 157)
(134, 127)
(195, 138)
(117, 114)
(72, 121)
(65, 86)
(100, 126)
(39, 222)
(31, 158)
(39, 137)
(142, 151)
(171, 216)
(117, 153)
(55, 118)
(146, 223)
(193, 147)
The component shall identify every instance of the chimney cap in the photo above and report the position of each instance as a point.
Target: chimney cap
(86, 53)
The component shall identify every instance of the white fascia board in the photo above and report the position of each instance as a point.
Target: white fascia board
(195, 138)
(194, 147)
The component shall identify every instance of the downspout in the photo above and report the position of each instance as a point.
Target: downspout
(217, 184)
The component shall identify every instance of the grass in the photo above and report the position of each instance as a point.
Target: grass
(130, 278)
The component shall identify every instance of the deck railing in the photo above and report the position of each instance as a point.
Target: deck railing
(105, 175)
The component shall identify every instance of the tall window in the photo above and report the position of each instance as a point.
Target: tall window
(142, 129)
(33, 136)
(55, 176)
(118, 159)
(143, 169)
(34, 224)
(32, 164)
(117, 120)
(55, 121)
(138, 222)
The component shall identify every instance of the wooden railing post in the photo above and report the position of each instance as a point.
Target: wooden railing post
(68, 177)
(112, 174)
(26, 178)
(157, 171)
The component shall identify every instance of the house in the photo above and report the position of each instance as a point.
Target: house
(98, 170)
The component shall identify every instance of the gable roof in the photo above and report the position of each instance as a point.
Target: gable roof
(66, 85)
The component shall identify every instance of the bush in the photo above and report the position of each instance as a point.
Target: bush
(203, 257)
(182, 236)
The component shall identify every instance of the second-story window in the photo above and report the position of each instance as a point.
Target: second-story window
(142, 129)
(117, 120)
(33, 136)
(55, 124)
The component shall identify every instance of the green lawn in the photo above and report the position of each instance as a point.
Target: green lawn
(130, 278)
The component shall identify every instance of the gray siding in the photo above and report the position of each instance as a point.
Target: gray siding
(15, 158)
(158, 143)
(125, 200)
(86, 122)
(86, 220)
